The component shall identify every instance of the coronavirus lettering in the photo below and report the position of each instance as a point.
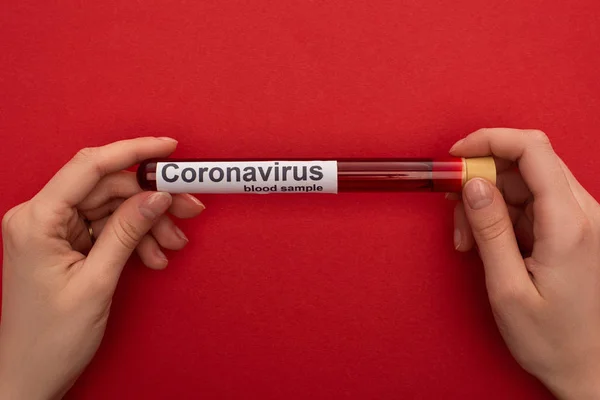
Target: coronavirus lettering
(172, 173)
(248, 177)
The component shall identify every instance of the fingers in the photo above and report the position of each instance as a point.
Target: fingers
(524, 231)
(74, 182)
(493, 232)
(538, 164)
(186, 206)
(111, 191)
(103, 210)
(511, 185)
(122, 184)
(556, 208)
(123, 232)
(150, 253)
(513, 188)
(163, 234)
(452, 196)
(182, 207)
(463, 235)
(168, 234)
(80, 237)
(583, 197)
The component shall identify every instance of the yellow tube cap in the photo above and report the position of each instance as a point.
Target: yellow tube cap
(480, 167)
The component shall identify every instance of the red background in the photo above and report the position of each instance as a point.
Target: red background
(355, 296)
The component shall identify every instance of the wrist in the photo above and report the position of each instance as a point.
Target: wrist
(23, 376)
(576, 392)
(9, 391)
(15, 385)
(581, 386)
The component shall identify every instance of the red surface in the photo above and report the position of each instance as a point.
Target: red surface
(355, 296)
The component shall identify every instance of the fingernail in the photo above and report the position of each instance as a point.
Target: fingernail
(446, 196)
(168, 139)
(155, 205)
(180, 234)
(196, 201)
(451, 196)
(456, 145)
(457, 239)
(161, 255)
(479, 193)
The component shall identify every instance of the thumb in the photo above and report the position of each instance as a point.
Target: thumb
(493, 232)
(123, 232)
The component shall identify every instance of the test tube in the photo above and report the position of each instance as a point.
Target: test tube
(259, 176)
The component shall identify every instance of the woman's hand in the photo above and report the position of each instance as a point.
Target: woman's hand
(55, 299)
(538, 235)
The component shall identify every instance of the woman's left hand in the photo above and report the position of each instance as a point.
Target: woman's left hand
(57, 284)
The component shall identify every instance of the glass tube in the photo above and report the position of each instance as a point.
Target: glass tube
(362, 175)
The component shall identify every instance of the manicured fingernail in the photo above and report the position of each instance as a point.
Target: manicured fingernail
(162, 256)
(456, 145)
(479, 193)
(168, 139)
(457, 239)
(180, 234)
(155, 205)
(196, 201)
(452, 196)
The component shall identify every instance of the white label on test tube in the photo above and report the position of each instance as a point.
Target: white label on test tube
(259, 177)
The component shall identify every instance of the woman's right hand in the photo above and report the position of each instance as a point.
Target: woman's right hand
(538, 235)
(58, 283)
